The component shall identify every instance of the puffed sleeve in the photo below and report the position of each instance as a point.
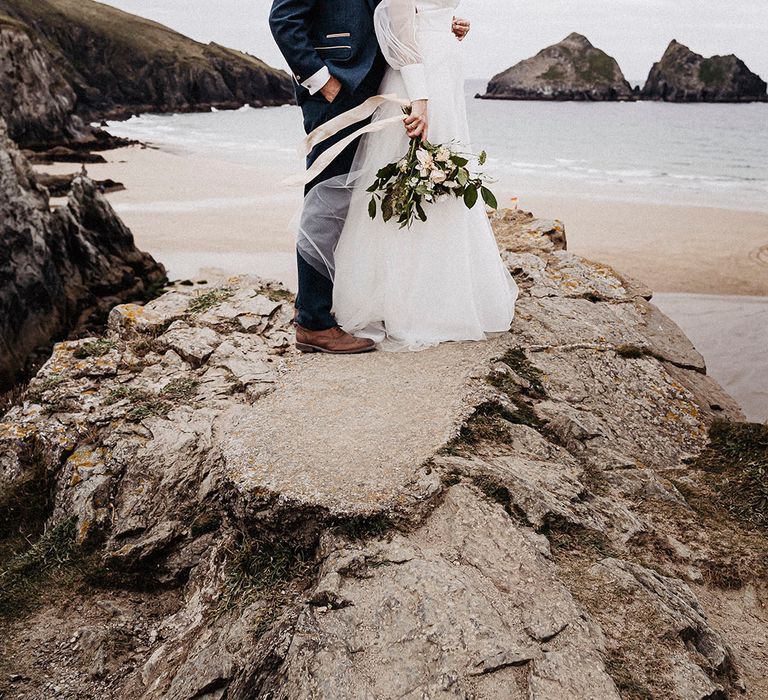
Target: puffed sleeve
(395, 22)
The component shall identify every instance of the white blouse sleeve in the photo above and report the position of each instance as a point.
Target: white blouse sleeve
(395, 22)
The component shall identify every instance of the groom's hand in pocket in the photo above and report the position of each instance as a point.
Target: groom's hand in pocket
(330, 91)
(417, 122)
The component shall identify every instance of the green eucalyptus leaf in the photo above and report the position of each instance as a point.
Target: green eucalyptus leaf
(489, 198)
(470, 197)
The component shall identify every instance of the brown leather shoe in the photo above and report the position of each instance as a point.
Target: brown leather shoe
(333, 341)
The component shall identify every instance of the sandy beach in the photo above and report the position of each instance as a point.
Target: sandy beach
(196, 212)
(199, 215)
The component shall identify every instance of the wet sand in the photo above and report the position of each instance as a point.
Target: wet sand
(732, 334)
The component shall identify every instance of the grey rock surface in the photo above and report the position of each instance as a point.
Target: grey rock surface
(572, 69)
(685, 76)
(413, 407)
(35, 99)
(520, 518)
(62, 270)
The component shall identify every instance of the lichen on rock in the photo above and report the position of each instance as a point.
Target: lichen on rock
(527, 517)
(572, 69)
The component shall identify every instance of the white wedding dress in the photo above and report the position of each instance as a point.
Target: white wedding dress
(443, 279)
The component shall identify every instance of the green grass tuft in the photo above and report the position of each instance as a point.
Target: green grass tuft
(95, 348)
(736, 463)
(25, 576)
(278, 294)
(180, 389)
(210, 299)
(147, 404)
(266, 572)
(147, 409)
(38, 388)
(519, 363)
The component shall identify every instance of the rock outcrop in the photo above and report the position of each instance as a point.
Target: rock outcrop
(570, 70)
(61, 271)
(64, 60)
(685, 76)
(35, 99)
(539, 516)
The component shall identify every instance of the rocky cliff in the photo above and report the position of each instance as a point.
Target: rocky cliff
(83, 58)
(35, 99)
(570, 70)
(685, 76)
(570, 510)
(61, 271)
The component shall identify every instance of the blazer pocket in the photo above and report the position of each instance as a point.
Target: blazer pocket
(335, 52)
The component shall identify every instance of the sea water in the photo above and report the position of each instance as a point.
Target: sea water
(690, 154)
(685, 154)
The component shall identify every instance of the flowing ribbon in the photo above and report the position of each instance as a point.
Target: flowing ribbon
(339, 123)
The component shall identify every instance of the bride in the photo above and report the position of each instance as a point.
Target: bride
(443, 279)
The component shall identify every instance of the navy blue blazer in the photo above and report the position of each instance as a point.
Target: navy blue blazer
(338, 34)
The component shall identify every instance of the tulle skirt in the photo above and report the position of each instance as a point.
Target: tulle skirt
(443, 279)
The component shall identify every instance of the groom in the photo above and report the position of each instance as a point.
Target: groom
(337, 65)
(332, 51)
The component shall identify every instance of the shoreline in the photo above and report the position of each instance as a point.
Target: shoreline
(206, 218)
(671, 248)
(180, 204)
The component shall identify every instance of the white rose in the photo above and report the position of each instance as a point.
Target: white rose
(426, 162)
(438, 177)
(443, 155)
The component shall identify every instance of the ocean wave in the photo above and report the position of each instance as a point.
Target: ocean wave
(662, 155)
(630, 174)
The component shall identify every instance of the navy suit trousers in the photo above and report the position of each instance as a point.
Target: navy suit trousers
(315, 297)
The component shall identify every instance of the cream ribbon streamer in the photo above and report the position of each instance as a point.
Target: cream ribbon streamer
(337, 124)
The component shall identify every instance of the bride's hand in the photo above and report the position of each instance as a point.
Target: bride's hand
(416, 123)
(461, 27)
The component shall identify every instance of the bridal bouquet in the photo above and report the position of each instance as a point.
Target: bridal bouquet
(424, 175)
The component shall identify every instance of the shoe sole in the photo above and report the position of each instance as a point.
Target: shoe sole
(303, 347)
